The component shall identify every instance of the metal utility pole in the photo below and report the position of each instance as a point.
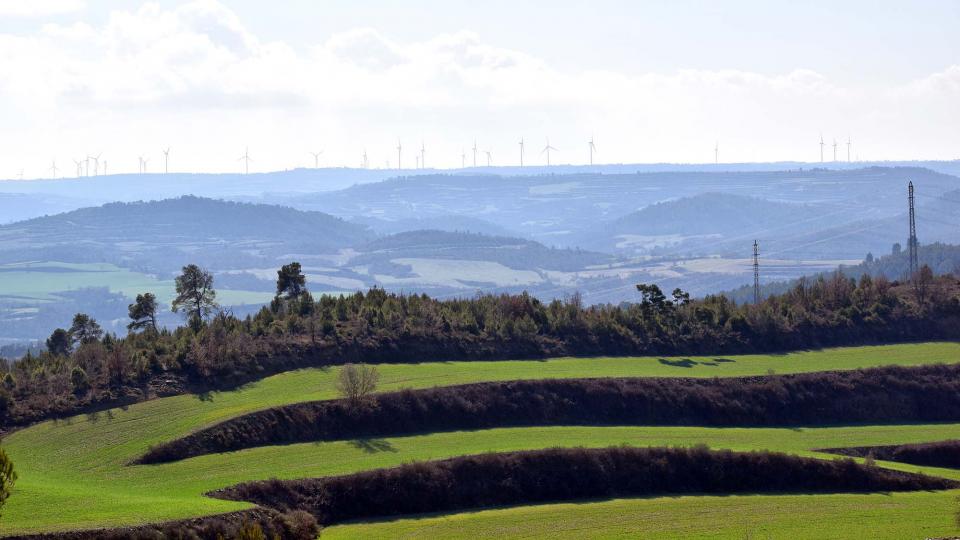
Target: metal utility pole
(756, 272)
(912, 241)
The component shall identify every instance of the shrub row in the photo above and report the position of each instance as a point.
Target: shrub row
(890, 394)
(567, 474)
(934, 454)
(294, 525)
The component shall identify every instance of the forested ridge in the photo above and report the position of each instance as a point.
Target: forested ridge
(83, 368)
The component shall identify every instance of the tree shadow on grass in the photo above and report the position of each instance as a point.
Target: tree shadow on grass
(684, 363)
(373, 446)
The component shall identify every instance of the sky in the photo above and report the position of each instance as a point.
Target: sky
(649, 81)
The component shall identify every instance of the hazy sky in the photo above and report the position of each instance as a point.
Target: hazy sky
(652, 81)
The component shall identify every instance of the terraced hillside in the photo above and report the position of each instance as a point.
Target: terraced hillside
(76, 473)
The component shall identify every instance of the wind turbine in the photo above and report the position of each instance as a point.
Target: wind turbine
(399, 151)
(593, 148)
(547, 150)
(474, 152)
(316, 159)
(166, 161)
(245, 158)
(96, 163)
(848, 149)
(416, 161)
(489, 158)
(821, 148)
(366, 162)
(54, 169)
(104, 167)
(79, 163)
(463, 158)
(423, 155)
(521, 151)
(834, 150)
(87, 166)
(716, 153)
(143, 164)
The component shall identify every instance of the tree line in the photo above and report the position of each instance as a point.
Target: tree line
(83, 367)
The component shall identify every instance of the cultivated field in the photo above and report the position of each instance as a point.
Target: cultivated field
(41, 281)
(74, 473)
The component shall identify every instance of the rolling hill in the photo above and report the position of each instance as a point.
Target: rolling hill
(557, 208)
(702, 224)
(164, 235)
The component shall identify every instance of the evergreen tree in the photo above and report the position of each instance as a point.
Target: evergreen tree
(143, 312)
(195, 294)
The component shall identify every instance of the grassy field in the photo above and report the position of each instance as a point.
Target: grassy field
(798, 517)
(73, 473)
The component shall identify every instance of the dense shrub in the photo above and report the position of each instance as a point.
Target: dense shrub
(934, 454)
(294, 525)
(892, 394)
(567, 474)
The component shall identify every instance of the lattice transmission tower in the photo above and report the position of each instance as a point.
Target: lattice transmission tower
(913, 245)
(756, 272)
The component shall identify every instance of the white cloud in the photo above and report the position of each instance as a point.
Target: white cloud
(39, 8)
(195, 77)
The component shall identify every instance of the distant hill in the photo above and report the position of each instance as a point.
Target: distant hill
(701, 224)
(515, 253)
(449, 223)
(164, 235)
(21, 206)
(556, 209)
(937, 217)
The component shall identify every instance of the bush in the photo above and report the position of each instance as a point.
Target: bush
(79, 380)
(8, 477)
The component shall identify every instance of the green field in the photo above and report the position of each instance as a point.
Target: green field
(734, 517)
(41, 281)
(73, 473)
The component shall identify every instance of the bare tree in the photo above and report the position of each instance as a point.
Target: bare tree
(357, 381)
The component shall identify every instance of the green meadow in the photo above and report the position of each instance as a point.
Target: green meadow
(74, 473)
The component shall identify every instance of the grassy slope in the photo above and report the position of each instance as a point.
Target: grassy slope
(72, 473)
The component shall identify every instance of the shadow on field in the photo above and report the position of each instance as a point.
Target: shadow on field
(684, 363)
(689, 363)
(373, 446)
